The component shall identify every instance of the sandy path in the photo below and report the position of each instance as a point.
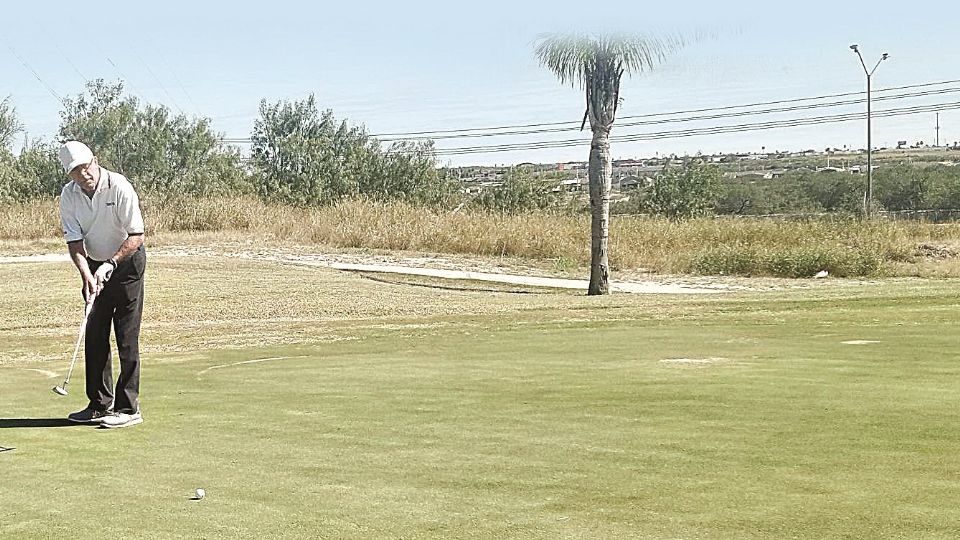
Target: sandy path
(419, 266)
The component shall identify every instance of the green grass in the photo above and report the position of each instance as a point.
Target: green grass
(398, 411)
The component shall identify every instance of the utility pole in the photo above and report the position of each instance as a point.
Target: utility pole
(868, 196)
(938, 130)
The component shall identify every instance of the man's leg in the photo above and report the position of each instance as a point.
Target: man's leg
(129, 310)
(97, 362)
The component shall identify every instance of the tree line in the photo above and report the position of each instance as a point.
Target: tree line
(305, 156)
(694, 188)
(300, 154)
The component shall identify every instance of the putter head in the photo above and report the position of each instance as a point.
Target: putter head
(60, 390)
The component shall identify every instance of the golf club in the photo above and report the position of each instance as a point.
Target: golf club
(62, 389)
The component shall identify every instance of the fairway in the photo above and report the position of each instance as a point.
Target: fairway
(310, 403)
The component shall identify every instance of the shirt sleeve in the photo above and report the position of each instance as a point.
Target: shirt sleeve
(71, 226)
(128, 210)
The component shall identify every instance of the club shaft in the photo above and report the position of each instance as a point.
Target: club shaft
(76, 349)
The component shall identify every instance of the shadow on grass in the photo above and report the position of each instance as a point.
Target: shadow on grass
(7, 423)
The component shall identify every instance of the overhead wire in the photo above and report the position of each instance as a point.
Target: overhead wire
(183, 89)
(162, 86)
(532, 145)
(714, 130)
(675, 113)
(688, 119)
(23, 62)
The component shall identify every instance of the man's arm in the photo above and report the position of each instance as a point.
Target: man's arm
(79, 257)
(131, 244)
(128, 211)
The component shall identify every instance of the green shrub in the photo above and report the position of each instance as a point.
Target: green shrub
(787, 262)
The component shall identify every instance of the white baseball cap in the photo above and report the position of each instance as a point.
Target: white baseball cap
(74, 153)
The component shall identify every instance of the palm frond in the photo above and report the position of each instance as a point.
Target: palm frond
(571, 56)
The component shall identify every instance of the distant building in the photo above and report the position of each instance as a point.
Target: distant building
(627, 183)
(570, 185)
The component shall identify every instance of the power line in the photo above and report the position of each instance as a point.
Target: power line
(180, 83)
(575, 126)
(673, 113)
(72, 65)
(162, 87)
(59, 49)
(661, 121)
(35, 74)
(126, 79)
(690, 119)
(701, 131)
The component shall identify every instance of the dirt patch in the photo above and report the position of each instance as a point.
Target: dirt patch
(934, 251)
(693, 362)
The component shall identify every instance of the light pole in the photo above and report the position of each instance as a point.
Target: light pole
(868, 196)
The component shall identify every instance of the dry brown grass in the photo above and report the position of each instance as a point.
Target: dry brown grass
(746, 246)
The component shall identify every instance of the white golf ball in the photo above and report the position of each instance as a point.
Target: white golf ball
(201, 493)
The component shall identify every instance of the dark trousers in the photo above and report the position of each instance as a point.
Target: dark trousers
(120, 303)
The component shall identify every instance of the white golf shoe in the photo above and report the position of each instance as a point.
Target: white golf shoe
(119, 420)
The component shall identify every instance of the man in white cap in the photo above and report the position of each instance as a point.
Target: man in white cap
(103, 227)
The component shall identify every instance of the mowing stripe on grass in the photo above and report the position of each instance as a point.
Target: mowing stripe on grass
(255, 361)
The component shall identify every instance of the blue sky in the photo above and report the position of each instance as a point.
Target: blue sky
(413, 66)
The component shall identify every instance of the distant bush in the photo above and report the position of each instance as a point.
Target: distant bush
(896, 188)
(683, 192)
(790, 262)
(518, 193)
(678, 192)
(160, 152)
(304, 157)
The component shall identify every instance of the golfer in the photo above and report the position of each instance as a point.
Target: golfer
(103, 227)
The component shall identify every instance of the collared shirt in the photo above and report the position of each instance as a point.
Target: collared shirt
(103, 221)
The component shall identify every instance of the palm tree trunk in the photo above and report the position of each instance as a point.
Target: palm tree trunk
(601, 172)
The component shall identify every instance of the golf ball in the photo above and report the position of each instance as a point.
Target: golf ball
(201, 493)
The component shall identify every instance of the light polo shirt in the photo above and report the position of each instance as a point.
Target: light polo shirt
(103, 221)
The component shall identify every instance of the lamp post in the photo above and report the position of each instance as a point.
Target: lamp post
(868, 196)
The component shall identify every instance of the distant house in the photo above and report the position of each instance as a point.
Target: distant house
(489, 185)
(630, 182)
(649, 170)
(570, 185)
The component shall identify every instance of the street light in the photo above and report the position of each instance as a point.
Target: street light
(868, 196)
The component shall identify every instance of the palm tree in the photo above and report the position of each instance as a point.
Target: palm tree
(597, 64)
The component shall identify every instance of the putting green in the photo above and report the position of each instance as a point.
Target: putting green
(324, 405)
